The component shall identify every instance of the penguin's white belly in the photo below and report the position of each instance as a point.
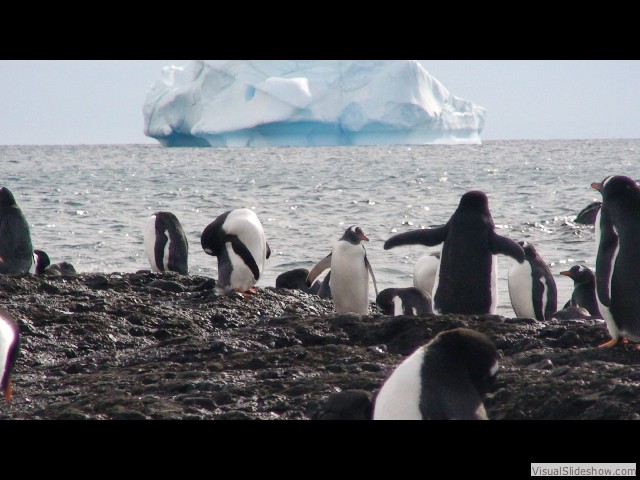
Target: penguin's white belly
(424, 273)
(7, 337)
(605, 311)
(165, 254)
(398, 309)
(520, 290)
(399, 398)
(150, 242)
(349, 279)
(241, 277)
(245, 225)
(494, 284)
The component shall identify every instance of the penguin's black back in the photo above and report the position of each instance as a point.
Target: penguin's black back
(464, 280)
(541, 277)
(297, 279)
(16, 250)
(178, 243)
(415, 302)
(584, 289)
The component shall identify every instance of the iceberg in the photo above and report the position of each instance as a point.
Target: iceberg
(237, 103)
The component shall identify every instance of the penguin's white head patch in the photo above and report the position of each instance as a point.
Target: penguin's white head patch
(208, 251)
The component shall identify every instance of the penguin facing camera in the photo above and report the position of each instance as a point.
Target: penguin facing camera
(350, 270)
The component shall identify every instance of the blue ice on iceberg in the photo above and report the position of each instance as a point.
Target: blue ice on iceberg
(306, 102)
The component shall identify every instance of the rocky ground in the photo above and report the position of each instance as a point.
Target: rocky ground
(165, 346)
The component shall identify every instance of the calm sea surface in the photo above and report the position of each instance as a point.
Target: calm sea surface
(87, 204)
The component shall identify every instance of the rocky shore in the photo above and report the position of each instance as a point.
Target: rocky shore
(165, 346)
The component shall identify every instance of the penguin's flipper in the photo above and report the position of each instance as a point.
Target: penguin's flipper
(373, 277)
(268, 250)
(244, 253)
(158, 252)
(429, 237)
(320, 267)
(538, 293)
(499, 244)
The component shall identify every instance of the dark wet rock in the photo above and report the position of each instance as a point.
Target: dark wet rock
(346, 405)
(161, 346)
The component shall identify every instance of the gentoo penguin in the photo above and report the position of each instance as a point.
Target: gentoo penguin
(532, 289)
(9, 347)
(166, 244)
(57, 269)
(466, 282)
(350, 271)
(442, 380)
(618, 257)
(236, 237)
(587, 216)
(346, 405)
(424, 272)
(16, 252)
(296, 279)
(584, 289)
(40, 263)
(404, 301)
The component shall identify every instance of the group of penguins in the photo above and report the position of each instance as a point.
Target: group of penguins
(447, 377)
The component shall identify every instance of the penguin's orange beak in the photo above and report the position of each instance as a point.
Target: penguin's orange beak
(566, 273)
(597, 186)
(363, 237)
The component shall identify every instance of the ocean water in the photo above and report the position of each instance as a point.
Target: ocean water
(87, 204)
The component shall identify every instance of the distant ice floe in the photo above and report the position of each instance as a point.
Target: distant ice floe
(306, 102)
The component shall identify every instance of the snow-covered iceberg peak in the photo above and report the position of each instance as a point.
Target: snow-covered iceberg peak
(306, 102)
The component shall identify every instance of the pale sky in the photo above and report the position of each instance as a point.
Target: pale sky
(100, 101)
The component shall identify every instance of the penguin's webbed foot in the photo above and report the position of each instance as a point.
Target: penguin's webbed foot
(248, 293)
(609, 343)
(8, 392)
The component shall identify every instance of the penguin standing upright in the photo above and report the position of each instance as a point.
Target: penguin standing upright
(532, 289)
(466, 282)
(16, 251)
(350, 269)
(237, 239)
(618, 257)
(166, 244)
(584, 289)
(9, 347)
(442, 380)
